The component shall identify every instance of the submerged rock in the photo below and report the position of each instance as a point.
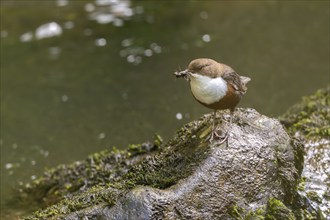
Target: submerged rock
(254, 175)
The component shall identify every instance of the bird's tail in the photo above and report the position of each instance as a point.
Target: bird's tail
(244, 81)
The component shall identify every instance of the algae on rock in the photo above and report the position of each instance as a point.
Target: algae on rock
(310, 117)
(84, 178)
(189, 178)
(309, 121)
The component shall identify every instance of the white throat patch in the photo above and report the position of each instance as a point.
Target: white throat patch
(207, 90)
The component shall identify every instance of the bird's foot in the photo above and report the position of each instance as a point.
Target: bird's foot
(215, 136)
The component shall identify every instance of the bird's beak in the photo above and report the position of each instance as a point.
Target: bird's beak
(185, 74)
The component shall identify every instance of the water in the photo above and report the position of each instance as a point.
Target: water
(81, 76)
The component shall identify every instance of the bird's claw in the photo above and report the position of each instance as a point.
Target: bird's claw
(214, 135)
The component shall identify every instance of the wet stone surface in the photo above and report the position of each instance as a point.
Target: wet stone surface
(309, 121)
(189, 178)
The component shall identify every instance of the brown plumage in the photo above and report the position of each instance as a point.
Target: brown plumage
(215, 85)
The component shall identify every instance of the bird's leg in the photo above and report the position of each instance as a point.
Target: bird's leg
(214, 134)
(230, 125)
(214, 118)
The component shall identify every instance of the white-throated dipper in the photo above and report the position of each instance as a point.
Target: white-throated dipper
(216, 86)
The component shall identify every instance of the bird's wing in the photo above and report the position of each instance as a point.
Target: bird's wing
(235, 80)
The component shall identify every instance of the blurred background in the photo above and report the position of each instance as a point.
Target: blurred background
(79, 77)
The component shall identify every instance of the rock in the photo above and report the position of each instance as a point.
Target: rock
(309, 121)
(254, 175)
(97, 170)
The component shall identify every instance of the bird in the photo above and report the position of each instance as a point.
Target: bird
(216, 86)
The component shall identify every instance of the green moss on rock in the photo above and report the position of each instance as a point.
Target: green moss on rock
(259, 214)
(236, 212)
(87, 178)
(312, 195)
(107, 175)
(276, 210)
(311, 116)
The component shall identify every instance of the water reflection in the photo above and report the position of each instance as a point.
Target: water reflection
(206, 38)
(54, 52)
(112, 11)
(68, 25)
(26, 37)
(62, 3)
(48, 30)
(134, 54)
(204, 15)
(51, 29)
(178, 116)
(100, 42)
(3, 33)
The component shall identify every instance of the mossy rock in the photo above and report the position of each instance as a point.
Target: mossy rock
(309, 121)
(187, 178)
(310, 118)
(98, 169)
